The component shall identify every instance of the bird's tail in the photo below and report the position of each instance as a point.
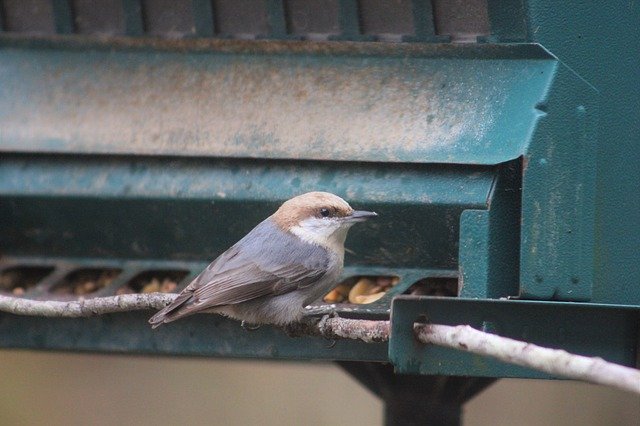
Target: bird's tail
(171, 312)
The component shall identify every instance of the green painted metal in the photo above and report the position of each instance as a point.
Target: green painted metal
(610, 332)
(133, 19)
(277, 19)
(193, 209)
(603, 56)
(558, 196)
(592, 41)
(424, 24)
(203, 17)
(348, 16)
(419, 103)
(63, 16)
(489, 240)
(201, 335)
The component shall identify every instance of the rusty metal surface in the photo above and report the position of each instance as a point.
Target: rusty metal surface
(230, 99)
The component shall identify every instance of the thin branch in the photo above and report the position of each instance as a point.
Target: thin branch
(86, 307)
(341, 328)
(552, 361)
(556, 362)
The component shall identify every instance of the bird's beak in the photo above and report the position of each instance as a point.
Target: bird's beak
(360, 216)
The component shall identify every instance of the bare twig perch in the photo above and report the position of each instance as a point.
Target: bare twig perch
(553, 361)
(463, 337)
(556, 362)
(87, 307)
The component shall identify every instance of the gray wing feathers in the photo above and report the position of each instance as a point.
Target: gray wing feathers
(252, 281)
(267, 261)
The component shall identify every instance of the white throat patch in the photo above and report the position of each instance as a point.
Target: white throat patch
(324, 232)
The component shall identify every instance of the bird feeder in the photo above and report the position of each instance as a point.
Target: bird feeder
(137, 146)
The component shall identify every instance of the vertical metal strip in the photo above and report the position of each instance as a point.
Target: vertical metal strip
(424, 23)
(133, 18)
(508, 21)
(423, 19)
(277, 19)
(349, 18)
(350, 22)
(3, 25)
(63, 18)
(203, 18)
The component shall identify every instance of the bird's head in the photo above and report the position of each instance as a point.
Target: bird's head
(319, 218)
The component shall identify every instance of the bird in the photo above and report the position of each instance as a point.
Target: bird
(286, 262)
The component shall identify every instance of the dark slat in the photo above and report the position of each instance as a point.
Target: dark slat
(423, 23)
(133, 22)
(63, 16)
(349, 19)
(277, 19)
(204, 18)
(2, 24)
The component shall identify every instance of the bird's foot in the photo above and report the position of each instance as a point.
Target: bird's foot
(249, 327)
(322, 328)
(330, 342)
(333, 314)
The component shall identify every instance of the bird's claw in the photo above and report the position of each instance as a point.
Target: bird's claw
(249, 327)
(323, 320)
(332, 314)
(332, 343)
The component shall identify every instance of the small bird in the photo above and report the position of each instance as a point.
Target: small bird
(289, 260)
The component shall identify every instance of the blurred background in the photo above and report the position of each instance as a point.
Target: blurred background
(71, 388)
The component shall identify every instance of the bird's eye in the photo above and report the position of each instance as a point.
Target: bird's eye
(324, 212)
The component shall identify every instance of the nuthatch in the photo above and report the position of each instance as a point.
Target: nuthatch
(289, 260)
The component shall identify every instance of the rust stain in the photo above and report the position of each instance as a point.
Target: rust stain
(272, 47)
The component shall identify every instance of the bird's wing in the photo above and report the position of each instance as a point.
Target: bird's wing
(250, 279)
(267, 261)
